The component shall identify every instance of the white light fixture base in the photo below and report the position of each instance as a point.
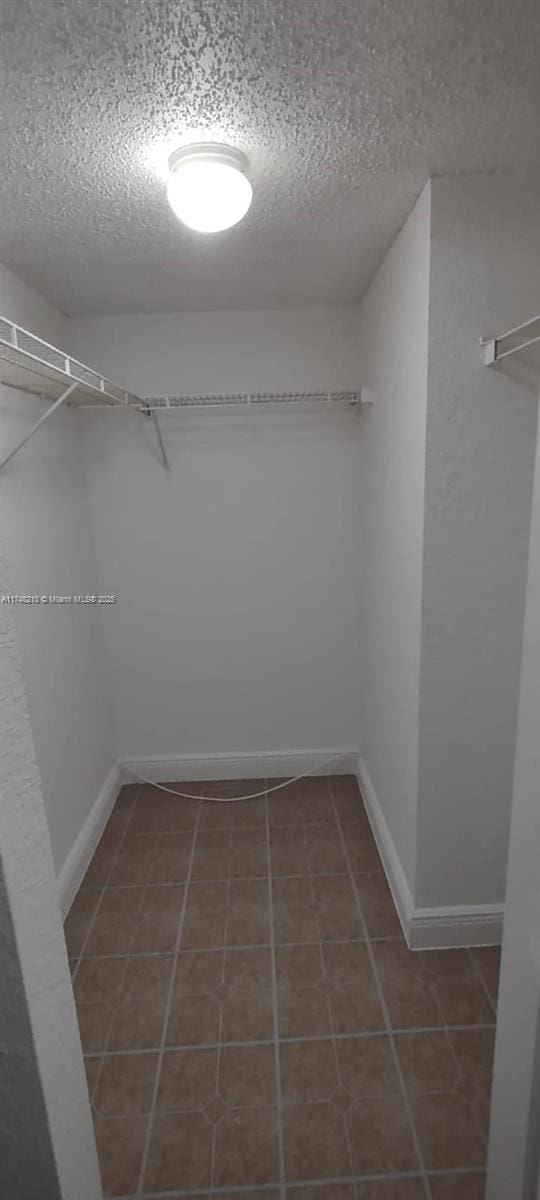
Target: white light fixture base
(208, 187)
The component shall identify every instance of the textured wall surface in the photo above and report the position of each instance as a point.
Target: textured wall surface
(393, 332)
(345, 109)
(47, 1037)
(27, 1166)
(45, 524)
(518, 1044)
(236, 627)
(481, 428)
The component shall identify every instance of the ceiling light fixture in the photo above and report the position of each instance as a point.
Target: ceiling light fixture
(208, 187)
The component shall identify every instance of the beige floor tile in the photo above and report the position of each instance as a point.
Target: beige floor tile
(288, 851)
(95, 1020)
(198, 972)
(248, 913)
(366, 1066)
(325, 851)
(362, 852)
(92, 1068)
(79, 920)
(187, 1081)
(120, 1145)
(204, 928)
(377, 905)
(448, 1131)
(474, 1050)
(247, 1076)
(252, 813)
(380, 1136)
(315, 1142)
(171, 859)
(295, 919)
(247, 1015)
(247, 969)
(336, 908)
(180, 1152)
(299, 966)
(249, 854)
(193, 1020)
(126, 1085)
(303, 1012)
(324, 1191)
(246, 1148)
(103, 860)
(232, 787)
(308, 1071)
(428, 1062)
(391, 1189)
(458, 1187)
(356, 1007)
(100, 979)
(137, 1024)
(347, 962)
(134, 859)
(488, 962)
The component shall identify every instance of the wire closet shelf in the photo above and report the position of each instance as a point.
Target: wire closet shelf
(246, 399)
(516, 340)
(32, 365)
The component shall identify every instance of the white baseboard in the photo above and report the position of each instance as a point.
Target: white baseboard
(395, 874)
(427, 928)
(72, 873)
(269, 765)
(472, 925)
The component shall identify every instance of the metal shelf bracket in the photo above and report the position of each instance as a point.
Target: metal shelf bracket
(45, 416)
(151, 412)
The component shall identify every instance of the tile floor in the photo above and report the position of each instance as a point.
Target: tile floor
(252, 1021)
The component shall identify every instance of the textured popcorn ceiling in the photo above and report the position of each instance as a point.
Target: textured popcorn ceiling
(344, 107)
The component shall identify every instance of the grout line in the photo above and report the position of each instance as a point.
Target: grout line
(275, 1014)
(218, 1049)
(217, 949)
(233, 878)
(247, 1189)
(253, 945)
(104, 887)
(386, 1016)
(89, 933)
(369, 1033)
(166, 1015)
(344, 1121)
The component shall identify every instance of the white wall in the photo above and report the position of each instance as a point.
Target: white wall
(517, 1058)
(236, 627)
(485, 266)
(393, 326)
(46, 529)
(47, 1139)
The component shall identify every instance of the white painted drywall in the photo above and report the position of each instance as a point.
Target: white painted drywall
(481, 426)
(51, 1119)
(516, 1057)
(393, 331)
(46, 529)
(236, 627)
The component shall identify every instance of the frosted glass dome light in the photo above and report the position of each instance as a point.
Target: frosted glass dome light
(208, 188)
